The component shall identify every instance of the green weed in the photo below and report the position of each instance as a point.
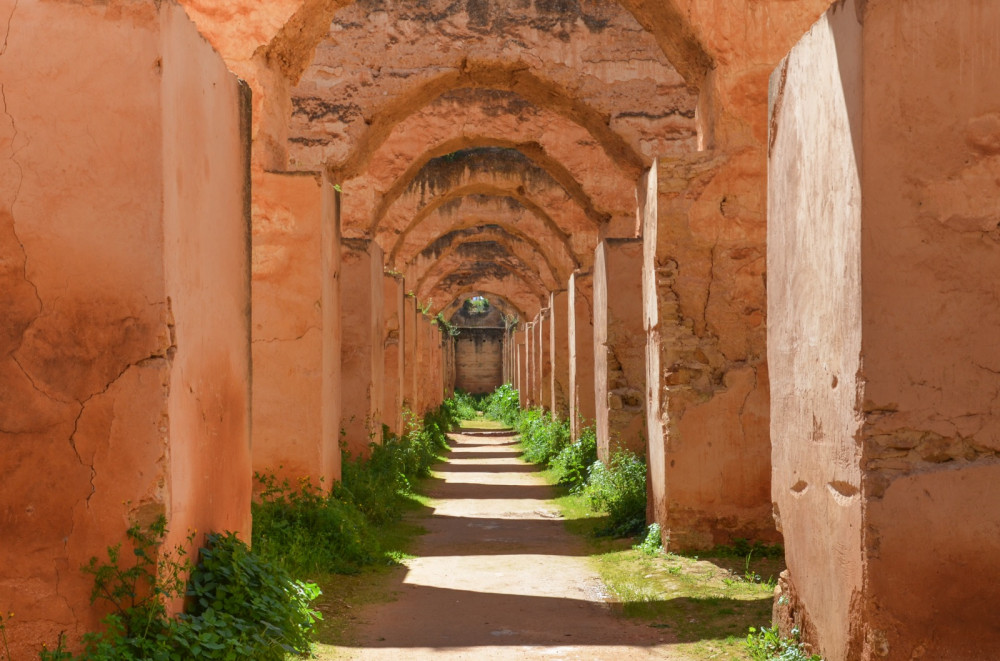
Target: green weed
(620, 489)
(767, 644)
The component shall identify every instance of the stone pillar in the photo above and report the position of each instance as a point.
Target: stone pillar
(882, 318)
(295, 241)
(581, 347)
(125, 332)
(619, 347)
(522, 367)
(362, 349)
(529, 364)
(392, 299)
(559, 352)
(545, 358)
(409, 352)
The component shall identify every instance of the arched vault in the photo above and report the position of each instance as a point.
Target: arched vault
(461, 209)
(503, 279)
(507, 308)
(480, 254)
(526, 249)
(470, 118)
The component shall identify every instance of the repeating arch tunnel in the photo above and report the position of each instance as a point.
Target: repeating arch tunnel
(661, 200)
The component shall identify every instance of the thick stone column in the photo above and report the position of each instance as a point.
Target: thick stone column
(545, 358)
(409, 352)
(297, 252)
(125, 298)
(362, 349)
(619, 347)
(529, 362)
(392, 299)
(882, 318)
(522, 367)
(580, 317)
(559, 352)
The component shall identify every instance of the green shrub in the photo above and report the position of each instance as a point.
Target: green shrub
(467, 407)
(620, 489)
(503, 405)
(768, 645)
(306, 531)
(541, 437)
(240, 607)
(571, 466)
(653, 542)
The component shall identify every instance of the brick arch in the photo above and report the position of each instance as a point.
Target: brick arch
(528, 250)
(483, 251)
(536, 176)
(468, 119)
(496, 299)
(469, 207)
(541, 194)
(512, 283)
(292, 46)
(506, 308)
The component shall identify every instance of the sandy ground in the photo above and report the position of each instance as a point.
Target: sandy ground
(497, 576)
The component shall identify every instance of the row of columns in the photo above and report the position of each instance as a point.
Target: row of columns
(333, 365)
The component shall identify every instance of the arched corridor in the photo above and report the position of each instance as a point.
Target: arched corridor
(751, 240)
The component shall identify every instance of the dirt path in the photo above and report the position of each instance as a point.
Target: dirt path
(497, 576)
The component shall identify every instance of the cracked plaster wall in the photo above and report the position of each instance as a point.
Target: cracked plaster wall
(98, 338)
(885, 427)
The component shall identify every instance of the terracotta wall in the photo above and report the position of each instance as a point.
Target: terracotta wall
(409, 351)
(559, 352)
(881, 340)
(522, 368)
(545, 358)
(288, 328)
(581, 359)
(814, 338)
(478, 358)
(362, 348)
(619, 347)
(115, 243)
(392, 299)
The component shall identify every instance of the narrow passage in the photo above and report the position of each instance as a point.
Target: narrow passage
(497, 576)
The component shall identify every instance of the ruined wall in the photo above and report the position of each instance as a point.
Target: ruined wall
(362, 348)
(103, 356)
(409, 351)
(814, 329)
(478, 356)
(905, 330)
(619, 347)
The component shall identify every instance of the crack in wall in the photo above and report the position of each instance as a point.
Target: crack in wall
(270, 340)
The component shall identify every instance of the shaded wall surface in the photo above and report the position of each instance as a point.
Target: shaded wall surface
(882, 337)
(619, 347)
(362, 346)
(478, 359)
(122, 398)
(288, 327)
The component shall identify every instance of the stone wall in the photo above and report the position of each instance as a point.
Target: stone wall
(478, 355)
(124, 272)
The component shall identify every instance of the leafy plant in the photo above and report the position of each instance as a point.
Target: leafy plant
(542, 437)
(652, 544)
(619, 488)
(767, 644)
(240, 606)
(503, 405)
(571, 466)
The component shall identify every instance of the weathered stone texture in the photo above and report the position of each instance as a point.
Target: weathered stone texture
(117, 365)
(619, 348)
